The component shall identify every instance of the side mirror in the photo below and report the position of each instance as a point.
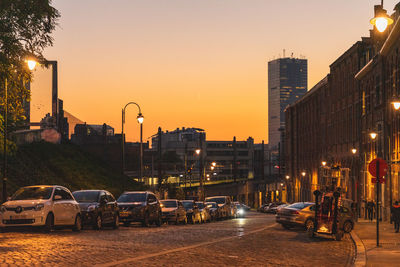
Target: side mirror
(57, 197)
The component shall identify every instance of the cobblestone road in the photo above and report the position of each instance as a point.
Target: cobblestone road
(253, 241)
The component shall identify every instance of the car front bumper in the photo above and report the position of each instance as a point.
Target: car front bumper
(26, 218)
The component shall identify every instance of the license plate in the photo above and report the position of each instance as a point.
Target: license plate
(18, 217)
(124, 214)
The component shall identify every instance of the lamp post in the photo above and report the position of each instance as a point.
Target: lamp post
(381, 20)
(31, 65)
(140, 120)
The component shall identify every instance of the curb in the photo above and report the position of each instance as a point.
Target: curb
(361, 254)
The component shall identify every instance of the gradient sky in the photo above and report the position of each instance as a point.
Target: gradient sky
(190, 63)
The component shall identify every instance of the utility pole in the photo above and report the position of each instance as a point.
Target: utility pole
(5, 142)
(235, 169)
(159, 158)
(201, 171)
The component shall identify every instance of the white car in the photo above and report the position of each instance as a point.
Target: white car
(41, 205)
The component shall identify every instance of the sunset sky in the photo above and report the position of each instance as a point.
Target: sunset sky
(189, 63)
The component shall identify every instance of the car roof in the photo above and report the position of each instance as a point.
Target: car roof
(188, 200)
(216, 197)
(136, 192)
(169, 200)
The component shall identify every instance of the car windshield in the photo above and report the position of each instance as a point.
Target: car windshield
(169, 203)
(212, 204)
(188, 204)
(132, 197)
(86, 196)
(200, 205)
(218, 200)
(300, 205)
(27, 193)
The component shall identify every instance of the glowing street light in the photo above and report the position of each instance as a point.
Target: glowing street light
(214, 164)
(198, 151)
(373, 135)
(303, 174)
(396, 105)
(323, 163)
(212, 167)
(140, 118)
(31, 64)
(287, 177)
(381, 21)
(354, 151)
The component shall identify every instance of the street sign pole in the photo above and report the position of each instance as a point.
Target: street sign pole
(378, 183)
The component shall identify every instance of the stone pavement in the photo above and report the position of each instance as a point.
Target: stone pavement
(388, 253)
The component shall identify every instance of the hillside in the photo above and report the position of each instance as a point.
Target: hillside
(66, 165)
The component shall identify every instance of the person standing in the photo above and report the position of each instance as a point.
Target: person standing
(396, 216)
(370, 208)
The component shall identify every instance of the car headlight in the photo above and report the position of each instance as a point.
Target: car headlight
(39, 207)
(91, 208)
(3, 209)
(241, 211)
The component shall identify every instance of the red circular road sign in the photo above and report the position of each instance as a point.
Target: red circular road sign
(382, 167)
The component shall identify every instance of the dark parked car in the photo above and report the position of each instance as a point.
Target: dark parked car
(214, 210)
(225, 205)
(141, 207)
(192, 211)
(173, 211)
(204, 211)
(98, 208)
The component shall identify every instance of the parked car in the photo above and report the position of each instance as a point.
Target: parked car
(273, 208)
(141, 207)
(224, 203)
(204, 211)
(214, 210)
(41, 205)
(192, 211)
(303, 213)
(98, 208)
(297, 214)
(262, 207)
(173, 211)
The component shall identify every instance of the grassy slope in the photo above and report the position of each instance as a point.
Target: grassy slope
(67, 165)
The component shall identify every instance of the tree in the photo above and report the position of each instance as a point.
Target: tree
(25, 31)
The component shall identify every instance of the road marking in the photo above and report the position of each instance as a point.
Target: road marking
(129, 260)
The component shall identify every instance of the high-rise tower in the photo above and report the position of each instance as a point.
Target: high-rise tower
(287, 82)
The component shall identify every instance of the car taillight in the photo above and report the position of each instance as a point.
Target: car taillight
(294, 212)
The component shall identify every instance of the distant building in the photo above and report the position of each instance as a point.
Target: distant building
(287, 82)
(85, 134)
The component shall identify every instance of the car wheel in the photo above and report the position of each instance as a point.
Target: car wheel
(146, 222)
(347, 226)
(309, 224)
(49, 224)
(98, 223)
(126, 224)
(116, 222)
(78, 224)
(339, 235)
(310, 232)
(159, 220)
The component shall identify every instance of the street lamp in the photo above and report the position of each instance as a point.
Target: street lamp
(323, 163)
(303, 174)
(373, 135)
(214, 164)
(140, 120)
(198, 151)
(381, 20)
(354, 151)
(396, 105)
(287, 177)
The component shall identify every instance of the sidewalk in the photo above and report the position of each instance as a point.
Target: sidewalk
(388, 253)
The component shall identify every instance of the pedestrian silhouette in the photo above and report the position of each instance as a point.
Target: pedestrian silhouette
(396, 216)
